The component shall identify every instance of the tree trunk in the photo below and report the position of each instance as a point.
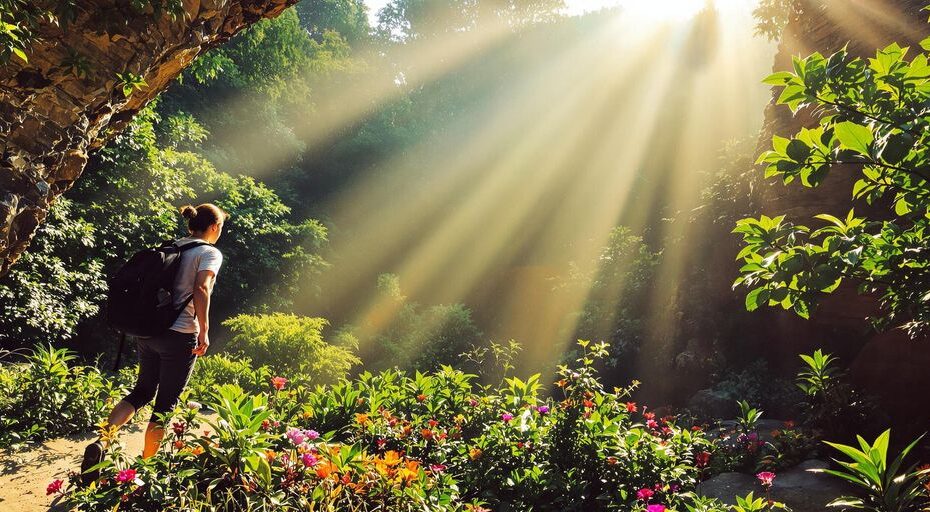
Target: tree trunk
(66, 101)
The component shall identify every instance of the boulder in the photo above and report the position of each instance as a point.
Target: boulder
(710, 404)
(802, 488)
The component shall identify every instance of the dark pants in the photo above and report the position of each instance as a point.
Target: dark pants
(165, 365)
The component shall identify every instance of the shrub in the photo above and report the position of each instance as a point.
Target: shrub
(217, 370)
(833, 406)
(292, 346)
(45, 396)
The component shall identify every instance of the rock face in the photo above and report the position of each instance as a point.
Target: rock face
(66, 101)
(798, 487)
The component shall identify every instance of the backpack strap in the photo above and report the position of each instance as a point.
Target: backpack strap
(191, 245)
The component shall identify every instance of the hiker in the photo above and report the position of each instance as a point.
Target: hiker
(167, 360)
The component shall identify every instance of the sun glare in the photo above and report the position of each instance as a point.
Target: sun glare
(676, 10)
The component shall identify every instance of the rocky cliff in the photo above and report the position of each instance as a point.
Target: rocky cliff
(67, 100)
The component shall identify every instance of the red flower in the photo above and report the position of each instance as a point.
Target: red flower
(644, 494)
(702, 459)
(53, 488)
(421, 397)
(588, 403)
(179, 428)
(433, 423)
(278, 383)
(631, 407)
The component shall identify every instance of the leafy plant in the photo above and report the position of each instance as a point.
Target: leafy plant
(748, 416)
(887, 485)
(872, 117)
(832, 404)
(47, 395)
(129, 82)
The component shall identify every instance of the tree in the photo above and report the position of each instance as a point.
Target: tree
(872, 117)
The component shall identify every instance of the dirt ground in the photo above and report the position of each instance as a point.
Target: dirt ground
(24, 475)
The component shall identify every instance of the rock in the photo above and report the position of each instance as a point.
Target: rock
(800, 488)
(710, 404)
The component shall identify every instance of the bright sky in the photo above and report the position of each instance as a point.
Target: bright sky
(574, 6)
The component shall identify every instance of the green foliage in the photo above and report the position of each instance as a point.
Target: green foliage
(417, 336)
(56, 284)
(833, 406)
(885, 485)
(748, 416)
(216, 370)
(396, 441)
(871, 116)
(130, 82)
(773, 15)
(290, 345)
(47, 396)
(427, 19)
(614, 285)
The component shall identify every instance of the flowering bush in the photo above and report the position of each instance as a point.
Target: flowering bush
(416, 442)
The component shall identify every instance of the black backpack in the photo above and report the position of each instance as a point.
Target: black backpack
(140, 299)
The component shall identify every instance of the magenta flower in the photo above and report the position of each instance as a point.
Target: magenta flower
(437, 468)
(766, 478)
(308, 459)
(126, 475)
(542, 409)
(506, 417)
(311, 434)
(655, 508)
(53, 488)
(472, 402)
(644, 494)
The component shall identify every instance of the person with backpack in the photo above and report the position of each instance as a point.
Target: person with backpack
(162, 296)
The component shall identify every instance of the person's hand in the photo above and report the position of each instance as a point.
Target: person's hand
(203, 342)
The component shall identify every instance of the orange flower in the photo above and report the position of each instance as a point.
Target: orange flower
(426, 433)
(178, 444)
(197, 450)
(270, 455)
(561, 383)
(421, 397)
(361, 419)
(475, 453)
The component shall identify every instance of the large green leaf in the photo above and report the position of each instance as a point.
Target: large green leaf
(854, 136)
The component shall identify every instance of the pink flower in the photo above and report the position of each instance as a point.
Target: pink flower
(278, 383)
(506, 417)
(311, 434)
(472, 402)
(437, 468)
(53, 488)
(126, 475)
(308, 459)
(296, 436)
(652, 424)
(655, 508)
(766, 478)
(644, 494)
(542, 409)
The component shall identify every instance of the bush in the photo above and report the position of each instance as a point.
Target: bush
(45, 396)
(438, 441)
(416, 336)
(218, 370)
(292, 346)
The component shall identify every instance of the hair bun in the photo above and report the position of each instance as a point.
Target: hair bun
(188, 212)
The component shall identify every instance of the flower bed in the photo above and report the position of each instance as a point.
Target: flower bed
(423, 442)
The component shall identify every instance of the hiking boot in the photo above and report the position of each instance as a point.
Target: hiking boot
(93, 455)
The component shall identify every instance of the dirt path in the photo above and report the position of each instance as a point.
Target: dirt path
(24, 475)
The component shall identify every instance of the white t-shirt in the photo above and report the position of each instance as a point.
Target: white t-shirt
(205, 257)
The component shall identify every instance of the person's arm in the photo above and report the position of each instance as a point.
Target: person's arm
(203, 287)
